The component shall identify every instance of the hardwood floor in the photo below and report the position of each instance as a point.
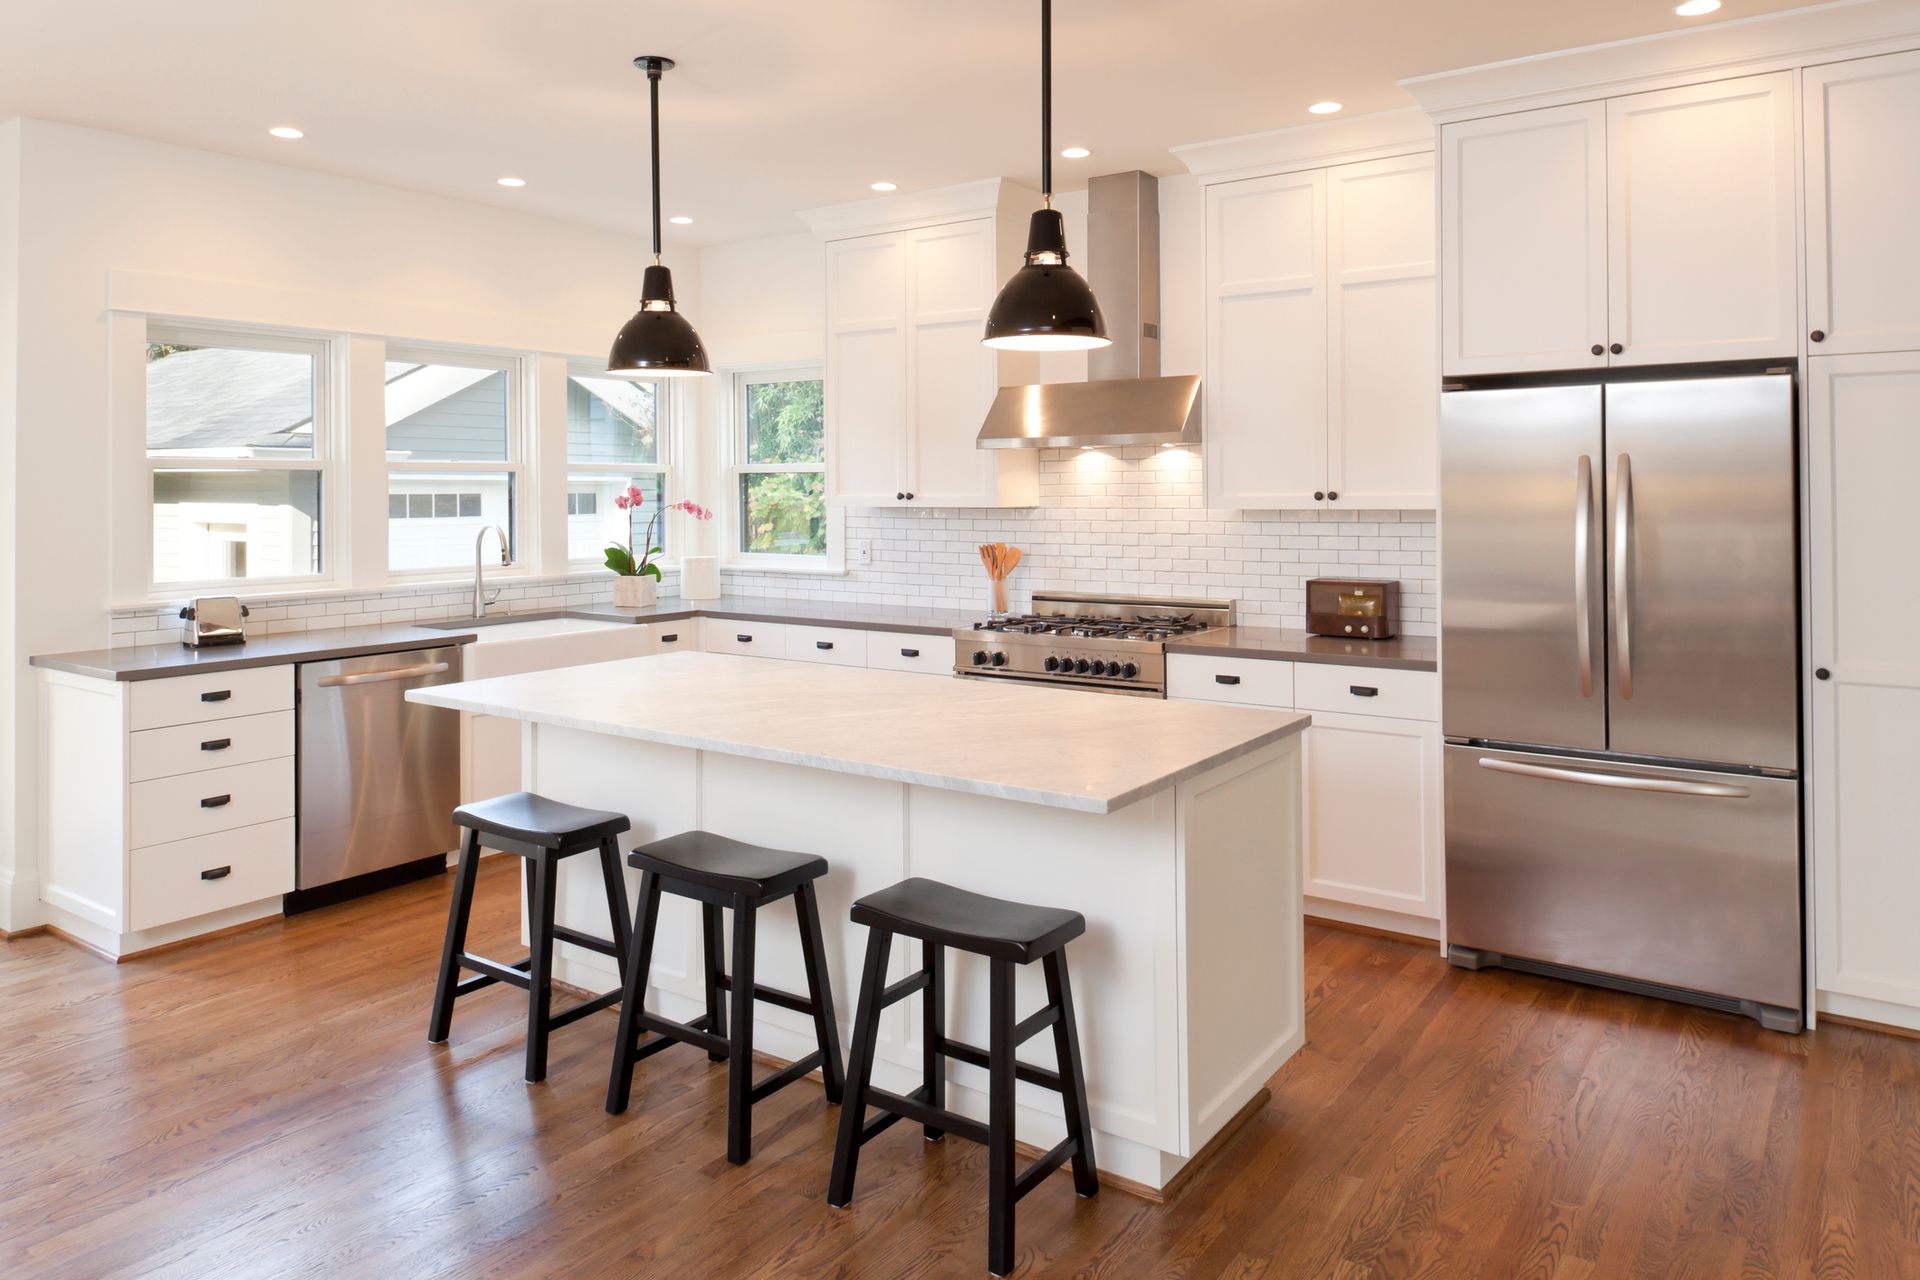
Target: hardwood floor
(266, 1104)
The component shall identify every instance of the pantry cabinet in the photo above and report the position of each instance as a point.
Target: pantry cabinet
(908, 381)
(1321, 388)
(1651, 228)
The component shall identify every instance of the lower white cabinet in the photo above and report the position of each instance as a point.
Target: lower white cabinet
(1374, 838)
(749, 639)
(930, 655)
(835, 646)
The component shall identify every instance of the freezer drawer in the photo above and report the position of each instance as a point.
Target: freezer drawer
(1679, 877)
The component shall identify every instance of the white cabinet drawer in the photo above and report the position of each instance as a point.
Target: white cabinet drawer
(1258, 682)
(841, 646)
(906, 651)
(217, 695)
(754, 639)
(213, 744)
(1367, 691)
(198, 804)
(188, 878)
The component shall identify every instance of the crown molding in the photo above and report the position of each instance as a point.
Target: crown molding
(987, 198)
(1309, 146)
(1742, 46)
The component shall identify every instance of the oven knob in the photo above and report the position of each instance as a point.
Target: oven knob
(1052, 663)
(999, 658)
(1081, 666)
(1128, 670)
(1099, 668)
(979, 657)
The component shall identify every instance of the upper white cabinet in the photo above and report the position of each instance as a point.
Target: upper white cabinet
(1648, 229)
(1863, 186)
(1320, 386)
(908, 382)
(1700, 223)
(1524, 241)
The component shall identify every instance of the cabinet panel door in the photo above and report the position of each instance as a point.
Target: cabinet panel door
(1523, 211)
(866, 393)
(1863, 185)
(950, 371)
(1383, 388)
(1700, 220)
(1266, 387)
(1373, 813)
(1863, 449)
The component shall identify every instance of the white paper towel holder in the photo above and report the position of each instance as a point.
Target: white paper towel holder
(699, 578)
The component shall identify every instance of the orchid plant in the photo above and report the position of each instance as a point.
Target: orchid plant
(621, 559)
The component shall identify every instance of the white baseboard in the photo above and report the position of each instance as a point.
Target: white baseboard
(1373, 918)
(1905, 1017)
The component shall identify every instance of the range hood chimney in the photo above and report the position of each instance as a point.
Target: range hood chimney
(1125, 401)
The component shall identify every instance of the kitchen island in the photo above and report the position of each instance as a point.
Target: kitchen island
(1173, 827)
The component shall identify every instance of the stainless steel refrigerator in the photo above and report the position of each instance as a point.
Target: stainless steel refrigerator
(1620, 678)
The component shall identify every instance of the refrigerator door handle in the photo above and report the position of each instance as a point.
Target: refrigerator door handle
(1624, 781)
(1623, 573)
(1582, 570)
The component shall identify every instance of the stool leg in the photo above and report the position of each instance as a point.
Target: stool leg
(540, 972)
(619, 912)
(459, 912)
(853, 1106)
(1073, 1081)
(1000, 1046)
(933, 1063)
(813, 951)
(711, 935)
(633, 995)
(740, 1037)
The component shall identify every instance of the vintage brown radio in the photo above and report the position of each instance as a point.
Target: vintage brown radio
(1352, 608)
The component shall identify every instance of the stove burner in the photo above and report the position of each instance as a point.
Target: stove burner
(1150, 626)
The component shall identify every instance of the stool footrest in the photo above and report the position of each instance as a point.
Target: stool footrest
(772, 995)
(917, 1109)
(604, 946)
(492, 971)
(1028, 1027)
(960, 1051)
(905, 987)
(684, 1032)
(1035, 1173)
(785, 1076)
(584, 1008)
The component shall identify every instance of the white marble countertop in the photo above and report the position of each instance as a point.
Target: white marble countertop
(1094, 752)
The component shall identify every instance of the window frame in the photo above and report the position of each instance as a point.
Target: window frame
(663, 427)
(515, 466)
(326, 459)
(736, 556)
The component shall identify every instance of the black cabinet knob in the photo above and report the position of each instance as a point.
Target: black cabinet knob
(1616, 348)
(216, 744)
(909, 653)
(1333, 495)
(1226, 679)
(1319, 495)
(216, 873)
(1818, 335)
(217, 695)
(1821, 673)
(216, 802)
(1599, 350)
(823, 644)
(670, 637)
(900, 497)
(909, 495)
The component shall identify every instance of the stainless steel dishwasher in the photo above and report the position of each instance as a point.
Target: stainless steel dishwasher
(379, 776)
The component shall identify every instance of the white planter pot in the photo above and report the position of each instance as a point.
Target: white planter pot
(635, 591)
(699, 578)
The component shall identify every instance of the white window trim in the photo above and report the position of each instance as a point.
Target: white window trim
(733, 558)
(327, 460)
(664, 421)
(522, 536)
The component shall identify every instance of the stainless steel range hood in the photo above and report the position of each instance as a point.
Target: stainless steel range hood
(1125, 401)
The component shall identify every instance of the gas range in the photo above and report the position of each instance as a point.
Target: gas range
(1116, 644)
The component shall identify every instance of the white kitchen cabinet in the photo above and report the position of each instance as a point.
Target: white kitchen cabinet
(930, 655)
(1864, 811)
(833, 646)
(749, 639)
(1320, 333)
(908, 381)
(1863, 186)
(1702, 263)
(1524, 241)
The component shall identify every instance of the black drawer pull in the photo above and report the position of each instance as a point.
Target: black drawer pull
(744, 639)
(909, 653)
(669, 639)
(216, 744)
(216, 873)
(216, 695)
(1363, 691)
(823, 644)
(214, 802)
(1226, 679)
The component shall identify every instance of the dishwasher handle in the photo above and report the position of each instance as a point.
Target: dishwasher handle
(381, 677)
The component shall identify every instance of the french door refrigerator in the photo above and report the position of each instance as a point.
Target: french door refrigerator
(1620, 681)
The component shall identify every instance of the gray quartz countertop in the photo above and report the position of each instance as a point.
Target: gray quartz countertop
(157, 661)
(1406, 653)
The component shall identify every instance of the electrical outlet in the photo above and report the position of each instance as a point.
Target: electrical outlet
(863, 554)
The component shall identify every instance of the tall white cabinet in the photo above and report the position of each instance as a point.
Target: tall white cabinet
(1320, 386)
(908, 383)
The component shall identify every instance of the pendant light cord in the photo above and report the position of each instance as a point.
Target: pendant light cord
(653, 90)
(1046, 104)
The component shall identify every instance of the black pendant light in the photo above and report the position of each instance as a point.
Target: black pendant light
(658, 342)
(1046, 306)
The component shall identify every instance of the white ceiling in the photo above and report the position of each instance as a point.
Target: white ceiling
(777, 105)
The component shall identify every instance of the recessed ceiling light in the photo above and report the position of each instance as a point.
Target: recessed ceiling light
(681, 221)
(511, 182)
(1324, 108)
(286, 131)
(1076, 153)
(1694, 8)
(884, 186)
